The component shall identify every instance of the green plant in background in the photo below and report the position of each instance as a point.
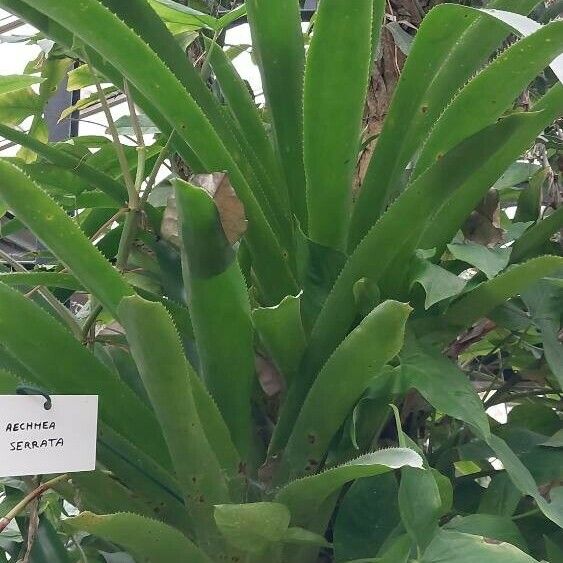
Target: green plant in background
(247, 387)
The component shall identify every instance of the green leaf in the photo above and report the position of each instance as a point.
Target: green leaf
(179, 18)
(167, 377)
(165, 93)
(278, 45)
(253, 526)
(501, 497)
(544, 300)
(442, 384)
(525, 26)
(69, 162)
(80, 77)
(296, 535)
(438, 283)
(556, 441)
(452, 43)
(48, 546)
(531, 242)
(103, 493)
(517, 173)
(217, 291)
(554, 550)
(85, 103)
(144, 476)
(57, 361)
(490, 526)
(281, 332)
(366, 518)
(8, 382)
(305, 496)
(332, 123)
(491, 92)
(48, 279)
(524, 481)
(489, 260)
(15, 106)
(394, 246)
(449, 219)
(466, 548)
(529, 201)
(445, 489)
(492, 293)
(399, 552)
(376, 340)
(534, 417)
(124, 125)
(62, 236)
(149, 540)
(420, 502)
(15, 82)
(231, 17)
(247, 117)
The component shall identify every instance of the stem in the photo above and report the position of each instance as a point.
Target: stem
(48, 296)
(152, 178)
(526, 514)
(127, 238)
(83, 558)
(123, 164)
(141, 148)
(33, 525)
(90, 321)
(106, 225)
(36, 493)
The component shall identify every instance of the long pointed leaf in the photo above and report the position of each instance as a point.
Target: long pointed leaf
(62, 236)
(475, 162)
(334, 96)
(488, 295)
(144, 23)
(149, 540)
(217, 291)
(166, 376)
(452, 43)
(247, 116)
(305, 496)
(60, 363)
(451, 216)
(278, 45)
(113, 40)
(341, 382)
(531, 242)
(491, 92)
(67, 161)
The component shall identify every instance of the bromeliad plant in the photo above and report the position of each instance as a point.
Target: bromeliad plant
(343, 306)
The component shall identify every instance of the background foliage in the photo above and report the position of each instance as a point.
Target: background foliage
(299, 335)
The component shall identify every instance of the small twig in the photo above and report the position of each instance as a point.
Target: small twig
(124, 165)
(33, 525)
(36, 493)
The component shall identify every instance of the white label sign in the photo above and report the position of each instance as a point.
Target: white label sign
(36, 441)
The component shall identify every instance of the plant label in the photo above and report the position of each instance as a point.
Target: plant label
(39, 438)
